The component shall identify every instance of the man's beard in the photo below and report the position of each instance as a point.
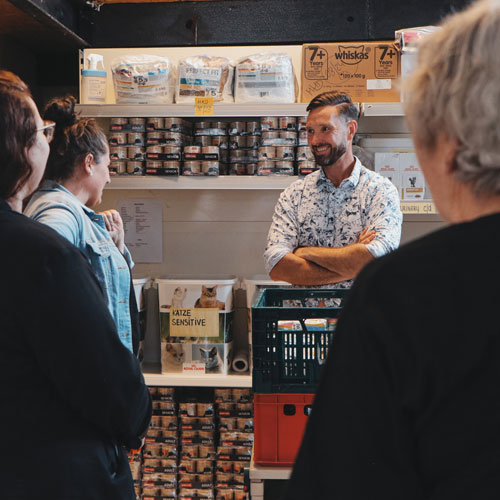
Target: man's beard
(330, 159)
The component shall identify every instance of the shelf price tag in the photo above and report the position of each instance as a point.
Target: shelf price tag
(203, 106)
(418, 207)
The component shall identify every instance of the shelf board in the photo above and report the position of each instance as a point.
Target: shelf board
(206, 380)
(382, 109)
(187, 110)
(276, 182)
(258, 472)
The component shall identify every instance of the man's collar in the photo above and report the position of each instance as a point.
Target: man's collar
(352, 180)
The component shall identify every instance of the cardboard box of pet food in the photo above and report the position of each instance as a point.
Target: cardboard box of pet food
(367, 71)
(196, 323)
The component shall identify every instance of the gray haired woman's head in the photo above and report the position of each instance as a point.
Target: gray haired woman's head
(456, 91)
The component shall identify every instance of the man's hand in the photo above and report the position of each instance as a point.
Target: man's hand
(114, 225)
(366, 236)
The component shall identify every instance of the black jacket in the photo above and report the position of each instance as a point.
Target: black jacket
(72, 396)
(409, 403)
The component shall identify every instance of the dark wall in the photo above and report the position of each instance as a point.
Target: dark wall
(247, 22)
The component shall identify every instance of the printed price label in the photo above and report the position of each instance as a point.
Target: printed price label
(423, 207)
(203, 106)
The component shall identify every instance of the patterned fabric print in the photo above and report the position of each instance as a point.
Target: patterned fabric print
(313, 212)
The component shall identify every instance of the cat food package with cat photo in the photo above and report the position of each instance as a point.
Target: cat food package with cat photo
(196, 324)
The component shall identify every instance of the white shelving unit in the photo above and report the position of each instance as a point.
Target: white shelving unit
(188, 110)
(213, 183)
(206, 380)
(259, 474)
(386, 109)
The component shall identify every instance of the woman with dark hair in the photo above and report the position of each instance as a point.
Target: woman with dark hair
(73, 397)
(77, 171)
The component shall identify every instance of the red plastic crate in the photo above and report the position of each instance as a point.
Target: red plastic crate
(279, 421)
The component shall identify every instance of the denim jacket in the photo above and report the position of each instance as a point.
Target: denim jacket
(58, 208)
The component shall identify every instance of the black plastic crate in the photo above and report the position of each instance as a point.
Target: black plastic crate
(291, 360)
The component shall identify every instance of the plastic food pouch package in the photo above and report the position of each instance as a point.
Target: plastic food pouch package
(265, 77)
(204, 76)
(143, 79)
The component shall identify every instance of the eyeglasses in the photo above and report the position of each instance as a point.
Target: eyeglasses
(47, 129)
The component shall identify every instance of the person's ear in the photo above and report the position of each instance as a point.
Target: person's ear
(88, 164)
(352, 127)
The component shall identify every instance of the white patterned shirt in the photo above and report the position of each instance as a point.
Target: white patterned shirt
(312, 212)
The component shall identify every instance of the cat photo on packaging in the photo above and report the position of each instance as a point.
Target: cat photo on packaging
(173, 357)
(208, 298)
(212, 355)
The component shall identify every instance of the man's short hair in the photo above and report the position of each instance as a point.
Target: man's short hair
(347, 110)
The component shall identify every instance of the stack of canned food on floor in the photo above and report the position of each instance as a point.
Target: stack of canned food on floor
(174, 146)
(198, 445)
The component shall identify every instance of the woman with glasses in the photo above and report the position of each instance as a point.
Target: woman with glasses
(72, 395)
(77, 171)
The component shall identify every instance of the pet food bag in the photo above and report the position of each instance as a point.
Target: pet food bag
(204, 76)
(196, 323)
(265, 77)
(143, 79)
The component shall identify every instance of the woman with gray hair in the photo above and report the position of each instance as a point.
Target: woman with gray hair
(409, 403)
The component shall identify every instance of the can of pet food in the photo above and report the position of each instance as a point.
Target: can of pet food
(253, 127)
(237, 128)
(154, 164)
(210, 150)
(252, 141)
(304, 153)
(174, 138)
(210, 167)
(203, 125)
(285, 166)
(269, 123)
(301, 123)
(135, 167)
(303, 138)
(251, 168)
(267, 153)
(154, 137)
(137, 121)
(135, 138)
(237, 155)
(219, 125)
(192, 149)
(202, 140)
(237, 141)
(265, 167)
(118, 167)
(172, 150)
(155, 123)
(173, 124)
(118, 152)
(135, 153)
(117, 138)
(219, 140)
(172, 167)
(191, 168)
(119, 121)
(270, 135)
(287, 123)
(237, 169)
(154, 149)
(285, 152)
(290, 138)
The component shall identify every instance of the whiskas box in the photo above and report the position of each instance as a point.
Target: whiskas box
(367, 71)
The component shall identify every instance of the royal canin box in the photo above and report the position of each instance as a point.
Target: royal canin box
(367, 71)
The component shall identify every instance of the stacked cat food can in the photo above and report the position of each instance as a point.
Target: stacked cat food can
(198, 445)
(126, 138)
(234, 409)
(196, 323)
(166, 138)
(306, 163)
(276, 154)
(244, 141)
(209, 153)
(160, 453)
